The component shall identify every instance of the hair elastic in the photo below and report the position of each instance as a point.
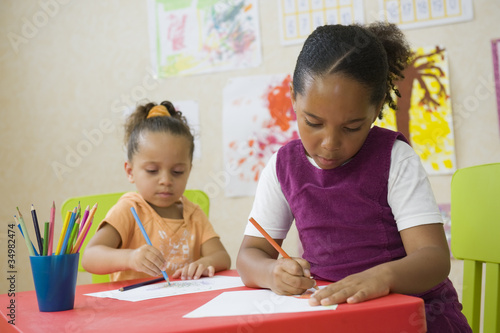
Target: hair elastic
(158, 111)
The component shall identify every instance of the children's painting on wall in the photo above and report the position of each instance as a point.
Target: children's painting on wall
(411, 14)
(424, 112)
(258, 119)
(202, 36)
(495, 47)
(298, 18)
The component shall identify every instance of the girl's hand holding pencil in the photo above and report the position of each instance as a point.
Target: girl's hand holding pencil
(287, 271)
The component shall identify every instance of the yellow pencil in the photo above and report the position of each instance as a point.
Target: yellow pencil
(63, 232)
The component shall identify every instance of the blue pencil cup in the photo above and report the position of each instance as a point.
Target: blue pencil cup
(55, 281)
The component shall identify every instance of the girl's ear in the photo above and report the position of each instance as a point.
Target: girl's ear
(128, 171)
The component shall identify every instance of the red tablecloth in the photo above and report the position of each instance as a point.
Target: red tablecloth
(393, 313)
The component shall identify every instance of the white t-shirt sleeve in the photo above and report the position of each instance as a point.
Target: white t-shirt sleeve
(410, 194)
(270, 208)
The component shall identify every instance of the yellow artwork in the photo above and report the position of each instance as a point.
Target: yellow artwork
(424, 112)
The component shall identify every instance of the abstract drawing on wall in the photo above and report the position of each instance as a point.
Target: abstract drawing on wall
(495, 46)
(424, 112)
(298, 18)
(258, 119)
(410, 14)
(202, 36)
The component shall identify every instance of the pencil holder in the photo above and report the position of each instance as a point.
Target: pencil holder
(55, 281)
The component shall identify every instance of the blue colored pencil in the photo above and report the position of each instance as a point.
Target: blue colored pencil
(146, 237)
(68, 232)
(31, 249)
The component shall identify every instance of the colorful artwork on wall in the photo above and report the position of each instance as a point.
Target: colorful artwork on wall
(410, 14)
(424, 113)
(298, 18)
(258, 119)
(495, 47)
(202, 36)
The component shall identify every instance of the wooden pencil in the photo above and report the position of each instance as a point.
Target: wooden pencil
(37, 229)
(46, 238)
(84, 219)
(140, 284)
(51, 228)
(272, 241)
(83, 233)
(146, 237)
(63, 232)
(68, 232)
(26, 236)
(72, 236)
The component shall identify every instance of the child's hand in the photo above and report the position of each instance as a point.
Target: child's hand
(355, 288)
(147, 259)
(291, 277)
(195, 270)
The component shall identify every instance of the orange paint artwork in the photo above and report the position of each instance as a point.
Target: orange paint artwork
(270, 127)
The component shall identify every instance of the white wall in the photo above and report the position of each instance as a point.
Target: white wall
(67, 76)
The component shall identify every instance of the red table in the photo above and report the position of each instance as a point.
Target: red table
(393, 313)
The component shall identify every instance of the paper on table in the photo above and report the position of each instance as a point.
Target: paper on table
(252, 302)
(176, 288)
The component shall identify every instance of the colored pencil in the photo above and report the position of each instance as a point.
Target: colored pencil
(71, 240)
(68, 232)
(83, 234)
(271, 240)
(32, 246)
(46, 238)
(63, 232)
(25, 234)
(79, 211)
(84, 219)
(140, 284)
(37, 229)
(146, 237)
(51, 228)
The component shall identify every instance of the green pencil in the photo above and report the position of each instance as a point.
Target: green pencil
(74, 231)
(46, 238)
(25, 233)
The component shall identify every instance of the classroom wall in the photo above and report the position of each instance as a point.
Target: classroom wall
(62, 83)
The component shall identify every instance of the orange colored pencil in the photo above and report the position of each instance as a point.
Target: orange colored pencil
(83, 233)
(269, 239)
(272, 241)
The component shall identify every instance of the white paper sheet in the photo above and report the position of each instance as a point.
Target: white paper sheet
(252, 302)
(176, 288)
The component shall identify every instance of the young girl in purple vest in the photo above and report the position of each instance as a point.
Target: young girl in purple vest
(363, 206)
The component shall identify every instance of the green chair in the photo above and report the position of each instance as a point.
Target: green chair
(108, 200)
(475, 238)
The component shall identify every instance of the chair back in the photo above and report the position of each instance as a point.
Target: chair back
(104, 204)
(475, 238)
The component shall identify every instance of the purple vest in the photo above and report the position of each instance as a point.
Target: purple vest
(345, 223)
